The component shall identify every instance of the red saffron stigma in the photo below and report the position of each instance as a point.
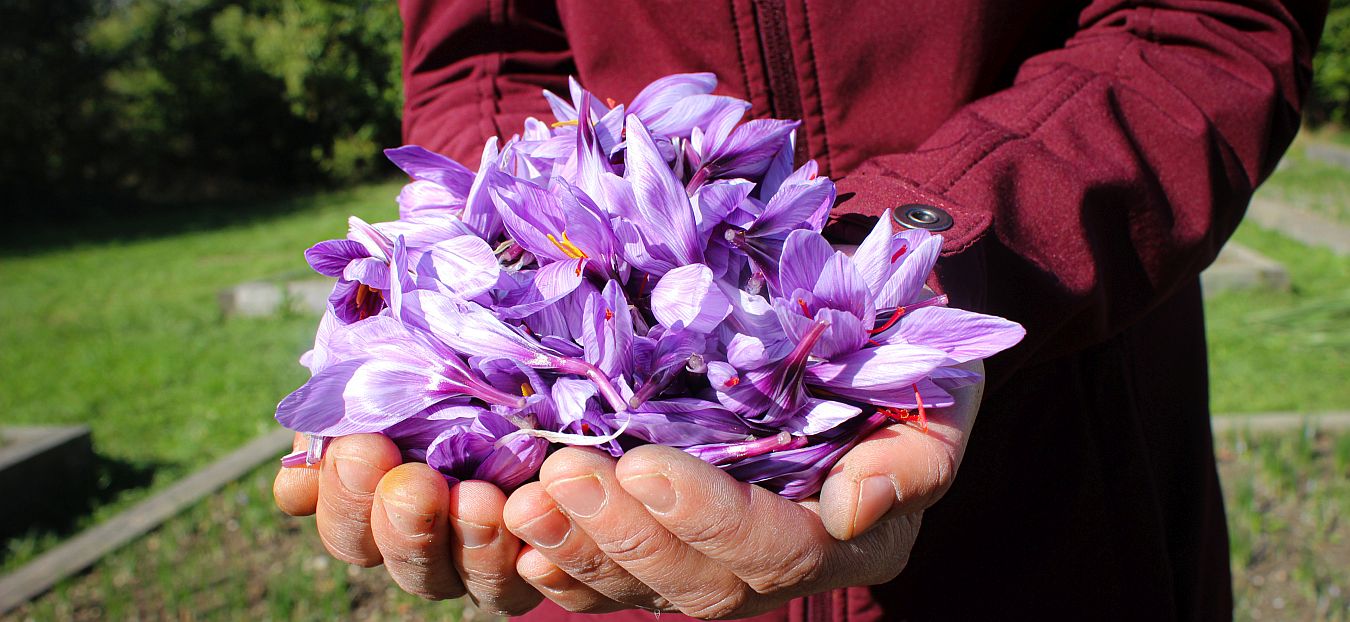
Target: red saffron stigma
(609, 101)
(805, 310)
(585, 428)
(896, 256)
(580, 263)
(735, 380)
(895, 317)
(896, 414)
(609, 315)
(923, 415)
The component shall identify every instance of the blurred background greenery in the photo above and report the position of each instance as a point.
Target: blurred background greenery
(154, 152)
(161, 100)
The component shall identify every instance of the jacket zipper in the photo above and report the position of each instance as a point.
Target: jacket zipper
(775, 45)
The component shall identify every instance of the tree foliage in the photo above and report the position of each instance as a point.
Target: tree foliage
(1331, 81)
(188, 98)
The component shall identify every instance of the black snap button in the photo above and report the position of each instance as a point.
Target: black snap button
(920, 216)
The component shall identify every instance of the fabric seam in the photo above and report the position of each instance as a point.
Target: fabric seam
(820, 93)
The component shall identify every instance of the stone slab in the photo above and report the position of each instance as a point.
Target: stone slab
(81, 551)
(36, 460)
(268, 298)
(1240, 268)
(1334, 155)
(1335, 421)
(1302, 225)
(252, 299)
(308, 295)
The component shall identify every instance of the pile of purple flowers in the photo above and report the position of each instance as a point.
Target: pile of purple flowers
(650, 273)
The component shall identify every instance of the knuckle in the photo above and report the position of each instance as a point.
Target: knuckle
(639, 545)
(803, 569)
(489, 585)
(588, 568)
(717, 605)
(714, 534)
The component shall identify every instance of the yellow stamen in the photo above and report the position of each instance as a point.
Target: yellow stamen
(557, 124)
(567, 247)
(526, 390)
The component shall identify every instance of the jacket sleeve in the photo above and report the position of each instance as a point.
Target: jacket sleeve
(1112, 170)
(473, 69)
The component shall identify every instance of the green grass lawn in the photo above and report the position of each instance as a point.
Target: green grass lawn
(116, 326)
(1283, 351)
(1317, 186)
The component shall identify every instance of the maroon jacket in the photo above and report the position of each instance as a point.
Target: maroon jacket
(1093, 157)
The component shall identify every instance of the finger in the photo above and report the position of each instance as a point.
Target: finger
(899, 469)
(352, 467)
(485, 553)
(582, 482)
(532, 515)
(560, 587)
(409, 522)
(774, 545)
(296, 490)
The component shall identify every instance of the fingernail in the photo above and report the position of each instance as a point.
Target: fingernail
(407, 519)
(876, 495)
(473, 535)
(580, 496)
(547, 531)
(357, 475)
(653, 490)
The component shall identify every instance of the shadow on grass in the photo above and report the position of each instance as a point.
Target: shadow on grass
(97, 221)
(66, 504)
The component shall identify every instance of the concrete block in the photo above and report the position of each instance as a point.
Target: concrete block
(1240, 268)
(252, 299)
(45, 473)
(308, 296)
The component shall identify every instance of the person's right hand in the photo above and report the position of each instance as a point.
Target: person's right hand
(435, 540)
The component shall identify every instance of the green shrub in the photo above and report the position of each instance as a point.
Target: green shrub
(193, 98)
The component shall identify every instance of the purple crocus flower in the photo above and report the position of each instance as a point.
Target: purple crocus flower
(645, 273)
(486, 447)
(385, 373)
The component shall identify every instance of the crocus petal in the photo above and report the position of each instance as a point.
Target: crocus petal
(511, 464)
(713, 202)
(682, 422)
(608, 331)
(818, 416)
(464, 267)
(661, 199)
(793, 205)
(382, 393)
(688, 294)
(472, 330)
(750, 148)
(372, 272)
(421, 198)
(804, 256)
(875, 369)
(840, 286)
(422, 164)
(963, 335)
(845, 333)
(906, 284)
(317, 406)
(750, 352)
(331, 257)
(571, 395)
(480, 212)
(692, 112)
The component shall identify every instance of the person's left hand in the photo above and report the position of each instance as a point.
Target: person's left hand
(662, 530)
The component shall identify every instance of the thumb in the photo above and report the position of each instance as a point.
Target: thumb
(899, 469)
